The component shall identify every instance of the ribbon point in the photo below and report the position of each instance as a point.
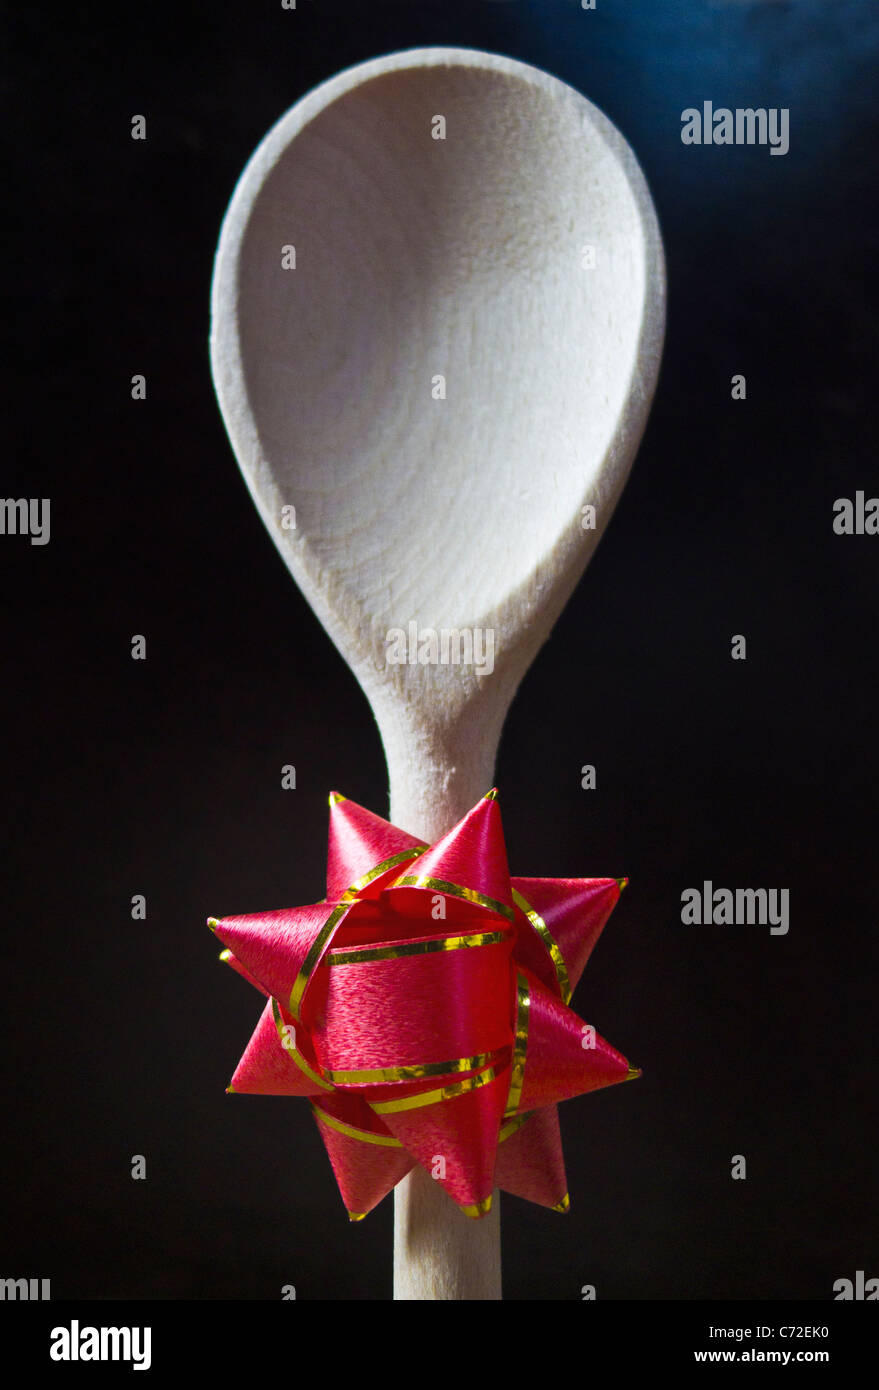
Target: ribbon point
(356, 1215)
(225, 956)
(336, 797)
(476, 1210)
(622, 883)
(633, 1074)
(213, 923)
(564, 1205)
(230, 1091)
(491, 796)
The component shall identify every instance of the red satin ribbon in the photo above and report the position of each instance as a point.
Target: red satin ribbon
(423, 1008)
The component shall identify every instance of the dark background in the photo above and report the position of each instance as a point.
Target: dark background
(163, 777)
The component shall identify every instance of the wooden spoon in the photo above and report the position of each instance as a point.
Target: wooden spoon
(437, 321)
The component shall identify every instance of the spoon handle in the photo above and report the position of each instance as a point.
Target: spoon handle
(439, 1253)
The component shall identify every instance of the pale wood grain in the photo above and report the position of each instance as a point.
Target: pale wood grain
(417, 257)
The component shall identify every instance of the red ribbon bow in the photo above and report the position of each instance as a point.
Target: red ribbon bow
(423, 1008)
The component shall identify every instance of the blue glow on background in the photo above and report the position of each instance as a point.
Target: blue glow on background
(644, 61)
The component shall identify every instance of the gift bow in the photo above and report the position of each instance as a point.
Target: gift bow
(423, 1009)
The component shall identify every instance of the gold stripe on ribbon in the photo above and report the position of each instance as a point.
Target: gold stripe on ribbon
(564, 1204)
(512, 1125)
(415, 948)
(366, 1136)
(455, 890)
(295, 1055)
(313, 956)
(380, 869)
(451, 1092)
(517, 1077)
(477, 1209)
(549, 941)
(415, 1072)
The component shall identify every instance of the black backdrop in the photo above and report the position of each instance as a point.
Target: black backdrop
(162, 777)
